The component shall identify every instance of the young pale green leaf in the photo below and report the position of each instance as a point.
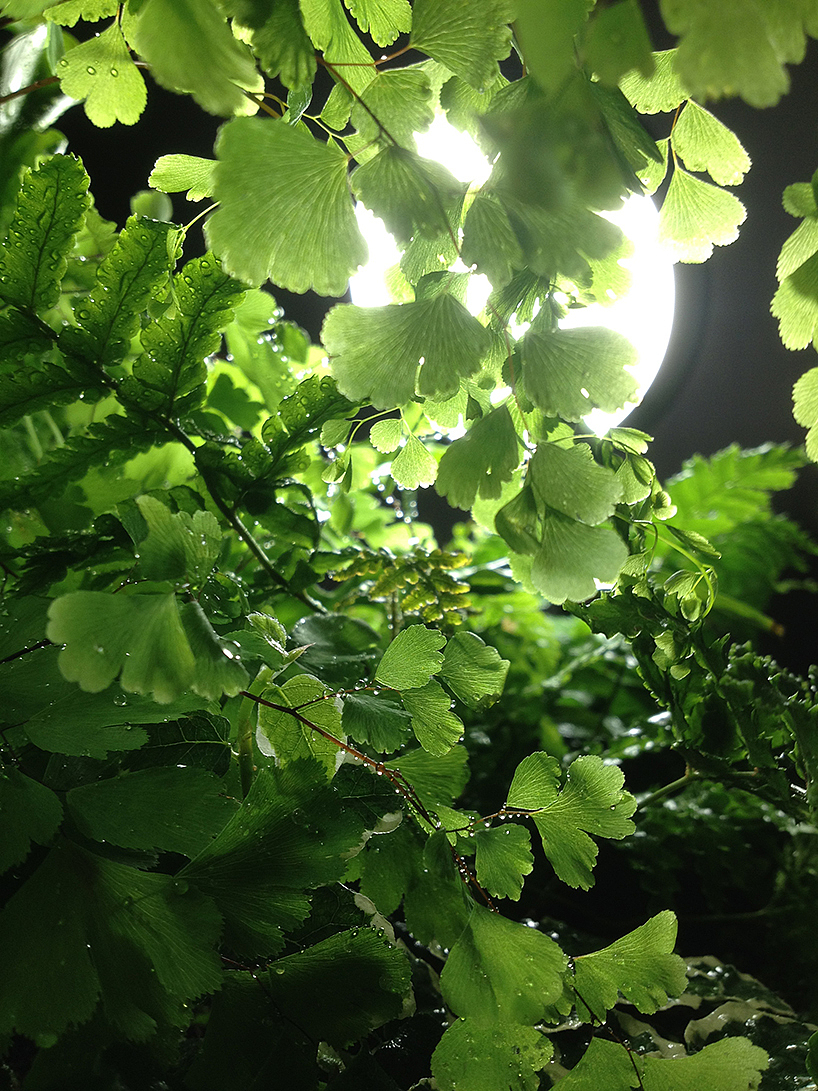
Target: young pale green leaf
(805, 408)
(50, 211)
(411, 194)
(412, 658)
(131, 273)
(382, 20)
(376, 351)
(641, 967)
(659, 93)
(469, 37)
(706, 144)
(473, 1057)
(172, 374)
(362, 978)
(795, 305)
(101, 72)
(335, 432)
(799, 247)
(398, 102)
(572, 555)
(31, 812)
(174, 173)
(568, 479)
(479, 463)
(436, 727)
(697, 216)
(503, 858)
(177, 546)
(152, 942)
(190, 47)
(501, 972)
(285, 212)
(437, 780)
(69, 11)
(282, 46)
(385, 435)
(731, 1064)
(591, 802)
(631, 440)
(330, 30)
(473, 670)
(280, 734)
(763, 39)
(617, 41)
(568, 373)
(414, 467)
(173, 809)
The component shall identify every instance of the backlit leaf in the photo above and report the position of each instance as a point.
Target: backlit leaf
(546, 33)
(177, 545)
(385, 435)
(101, 72)
(659, 93)
(479, 463)
(282, 46)
(286, 212)
(401, 100)
(468, 36)
(174, 173)
(568, 479)
(473, 670)
(705, 144)
(383, 20)
(591, 802)
(617, 41)
(641, 967)
(572, 555)
(329, 28)
(414, 467)
(412, 658)
(697, 216)
(805, 408)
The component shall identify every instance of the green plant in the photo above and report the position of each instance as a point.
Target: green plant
(241, 693)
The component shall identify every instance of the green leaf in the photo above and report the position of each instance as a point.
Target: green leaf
(190, 47)
(360, 976)
(480, 462)
(31, 812)
(171, 375)
(129, 276)
(659, 93)
(641, 967)
(178, 546)
(414, 467)
(604, 1064)
(591, 802)
(572, 556)
(763, 39)
(401, 100)
(436, 727)
(473, 670)
(383, 20)
(721, 1066)
(469, 37)
(329, 28)
(282, 46)
(503, 858)
(411, 194)
(501, 972)
(696, 216)
(617, 41)
(198, 740)
(435, 779)
(30, 388)
(68, 12)
(101, 72)
(705, 144)
(83, 927)
(173, 809)
(412, 658)
(376, 720)
(376, 351)
(490, 242)
(144, 637)
(559, 366)
(805, 408)
(173, 173)
(302, 232)
(290, 835)
(474, 1057)
(568, 479)
(385, 435)
(288, 738)
(795, 305)
(50, 211)
(546, 34)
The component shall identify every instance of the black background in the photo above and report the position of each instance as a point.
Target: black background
(726, 377)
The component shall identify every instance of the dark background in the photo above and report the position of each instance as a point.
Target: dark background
(726, 377)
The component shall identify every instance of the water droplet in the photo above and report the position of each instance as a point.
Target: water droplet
(114, 72)
(91, 71)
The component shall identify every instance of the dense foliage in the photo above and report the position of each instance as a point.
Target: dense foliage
(291, 795)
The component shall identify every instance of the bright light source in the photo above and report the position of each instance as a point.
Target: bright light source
(644, 315)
